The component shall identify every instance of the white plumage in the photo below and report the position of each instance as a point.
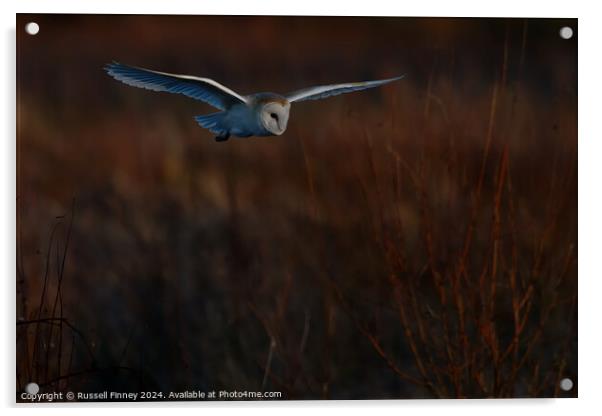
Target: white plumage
(261, 114)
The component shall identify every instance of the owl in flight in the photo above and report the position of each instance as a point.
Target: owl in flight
(261, 114)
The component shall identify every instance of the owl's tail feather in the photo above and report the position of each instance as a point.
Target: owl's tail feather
(214, 123)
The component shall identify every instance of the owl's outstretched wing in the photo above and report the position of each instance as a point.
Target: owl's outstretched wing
(203, 89)
(323, 91)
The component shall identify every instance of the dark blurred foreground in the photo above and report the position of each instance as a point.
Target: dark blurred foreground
(414, 241)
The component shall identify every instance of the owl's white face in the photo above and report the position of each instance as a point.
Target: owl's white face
(274, 116)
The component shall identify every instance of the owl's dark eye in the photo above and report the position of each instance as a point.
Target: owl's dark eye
(274, 116)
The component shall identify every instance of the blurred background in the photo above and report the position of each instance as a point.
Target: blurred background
(414, 241)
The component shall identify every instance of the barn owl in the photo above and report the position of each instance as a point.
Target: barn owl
(261, 114)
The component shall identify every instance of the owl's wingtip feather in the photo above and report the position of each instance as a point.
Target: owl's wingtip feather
(111, 67)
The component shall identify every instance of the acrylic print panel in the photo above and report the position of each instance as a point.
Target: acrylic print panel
(272, 226)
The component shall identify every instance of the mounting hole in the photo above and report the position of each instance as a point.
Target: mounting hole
(566, 32)
(32, 28)
(32, 388)
(566, 384)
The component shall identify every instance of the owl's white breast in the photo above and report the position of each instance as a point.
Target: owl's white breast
(244, 121)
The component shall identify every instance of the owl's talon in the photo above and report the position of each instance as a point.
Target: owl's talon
(222, 138)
